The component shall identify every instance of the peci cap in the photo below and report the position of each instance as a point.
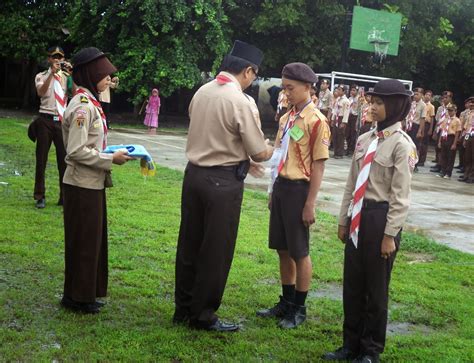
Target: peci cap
(390, 87)
(299, 72)
(55, 50)
(247, 52)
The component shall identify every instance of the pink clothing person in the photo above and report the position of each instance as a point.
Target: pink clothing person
(152, 111)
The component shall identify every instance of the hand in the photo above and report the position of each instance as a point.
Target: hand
(439, 145)
(464, 143)
(270, 149)
(257, 170)
(343, 125)
(308, 214)
(430, 132)
(121, 157)
(115, 79)
(55, 67)
(342, 233)
(270, 201)
(453, 147)
(419, 135)
(388, 246)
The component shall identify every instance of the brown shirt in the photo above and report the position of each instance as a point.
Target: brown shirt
(454, 125)
(225, 125)
(389, 177)
(307, 149)
(341, 109)
(417, 112)
(48, 101)
(468, 123)
(325, 100)
(83, 135)
(430, 112)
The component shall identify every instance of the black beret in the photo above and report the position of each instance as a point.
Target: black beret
(390, 87)
(86, 55)
(299, 72)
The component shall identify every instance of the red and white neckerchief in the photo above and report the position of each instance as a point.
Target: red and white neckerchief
(411, 116)
(445, 129)
(280, 154)
(97, 105)
(441, 119)
(361, 185)
(363, 117)
(335, 114)
(59, 96)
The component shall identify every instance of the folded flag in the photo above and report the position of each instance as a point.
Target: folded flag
(147, 166)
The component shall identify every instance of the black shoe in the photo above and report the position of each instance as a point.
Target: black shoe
(100, 304)
(340, 354)
(180, 317)
(460, 171)
(458, 167)
(421, 164)
(337, 157)
(295, 316)
(367, 359)
(462, 179)
(469, 181)
(218, 326)
(435, 169)
(86, 308)
(415, 170)
(40, 203)
(278, 311)
(60, 202)
(440, 175)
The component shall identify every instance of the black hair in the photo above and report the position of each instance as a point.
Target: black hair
(235, 65)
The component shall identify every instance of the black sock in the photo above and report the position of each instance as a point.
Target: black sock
(300, 297)
(288, 292)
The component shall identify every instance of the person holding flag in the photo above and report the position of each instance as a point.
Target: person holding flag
(373, 211)
(46, 128)
(86, 177)
(302, 147)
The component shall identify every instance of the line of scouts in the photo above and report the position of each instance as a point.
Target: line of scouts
(225, 142)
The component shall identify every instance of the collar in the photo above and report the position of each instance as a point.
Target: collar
(304, 112)
(231, 77)
(388, 131)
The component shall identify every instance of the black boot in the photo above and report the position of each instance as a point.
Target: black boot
(366, 358)
(340, 354)
(80, 307)
(295, 316)
(278, 311)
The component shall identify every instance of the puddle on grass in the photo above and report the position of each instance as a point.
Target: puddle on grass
(328, 291)
(416, 257)
(404, 328)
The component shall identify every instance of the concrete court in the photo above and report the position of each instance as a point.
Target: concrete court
(441, 209)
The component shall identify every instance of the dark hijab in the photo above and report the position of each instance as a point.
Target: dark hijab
(397, 108)
(89, 74)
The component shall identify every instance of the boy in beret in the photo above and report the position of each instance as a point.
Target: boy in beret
(450, 130)
(340, 119)
(302, 144)
(468, 143)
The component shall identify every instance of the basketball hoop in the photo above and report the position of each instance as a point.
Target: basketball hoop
(381, 49)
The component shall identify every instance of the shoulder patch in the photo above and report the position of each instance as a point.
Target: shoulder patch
(84, 99)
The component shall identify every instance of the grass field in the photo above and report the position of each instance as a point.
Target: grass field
(432, 290)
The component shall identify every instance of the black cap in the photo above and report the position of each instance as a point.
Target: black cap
(247, 52)
(299, 72)
(86, 55)
(390, 87)
(55, 50)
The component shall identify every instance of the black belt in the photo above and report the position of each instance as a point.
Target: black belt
(372, 204)
(216, 167)
(282, 180)
(48, 116)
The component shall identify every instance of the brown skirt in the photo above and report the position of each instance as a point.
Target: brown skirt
(85, 235)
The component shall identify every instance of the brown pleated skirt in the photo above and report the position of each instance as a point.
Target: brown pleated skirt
(85, 235)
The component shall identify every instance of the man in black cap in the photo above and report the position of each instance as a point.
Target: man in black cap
(224, 140)
(297, 170)
(51, 86)
(373, 211)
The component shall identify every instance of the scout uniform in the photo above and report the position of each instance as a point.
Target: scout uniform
(441, 114)
(468, 142)
(423, 149)
(302, 138)
(463, 116)
(340, 115)
(450, 130)
(413, 120)
(224, 130)
(375, 204)
(351, 129)
(46, 128)
(104, 98)
(365, 117)
(86, 176)
(325, 101)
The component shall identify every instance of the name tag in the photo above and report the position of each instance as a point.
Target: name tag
(55, 118)
(296, 133)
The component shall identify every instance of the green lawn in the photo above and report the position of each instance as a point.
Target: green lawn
(432, 286)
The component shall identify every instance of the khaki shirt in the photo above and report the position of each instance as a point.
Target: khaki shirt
(302, 150)
(454, 125)
(105, 96)
(439, 113)
(341, 109)
(420, 112)
(467, 120)
(354, 105)
(368, 117)
(389, 177)
(48, 101)
(225, 125)
(325, 100)
(83, 135)
(430, 112)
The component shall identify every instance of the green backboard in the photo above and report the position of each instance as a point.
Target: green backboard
(375, 25)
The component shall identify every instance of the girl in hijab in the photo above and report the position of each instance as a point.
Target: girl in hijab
(373, 211)
(87, 174)
(152, 111)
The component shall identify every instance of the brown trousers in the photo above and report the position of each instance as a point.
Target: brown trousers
(210, 213)
(469, 159)
(447, 156)
(366, 283)
(351, 134)
(85, 234)
(338, 138)
(424, 142)
(47, 132)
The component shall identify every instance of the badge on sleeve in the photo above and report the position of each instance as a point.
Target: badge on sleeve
(80, 120)
(296, 133)
(412, 159)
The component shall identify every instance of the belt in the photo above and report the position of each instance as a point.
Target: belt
(372, 204)
(48, 116)
(216, 167)
(282, 180)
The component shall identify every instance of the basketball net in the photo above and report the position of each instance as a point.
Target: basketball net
(380, 44)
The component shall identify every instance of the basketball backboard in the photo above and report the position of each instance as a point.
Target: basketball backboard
(371, 28)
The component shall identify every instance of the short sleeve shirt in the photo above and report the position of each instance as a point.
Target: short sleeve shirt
(312, 146)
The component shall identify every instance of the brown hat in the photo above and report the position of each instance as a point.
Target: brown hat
(451, 106)
(299, 72)
(470, 99)
(390, 87)
(55, 50)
